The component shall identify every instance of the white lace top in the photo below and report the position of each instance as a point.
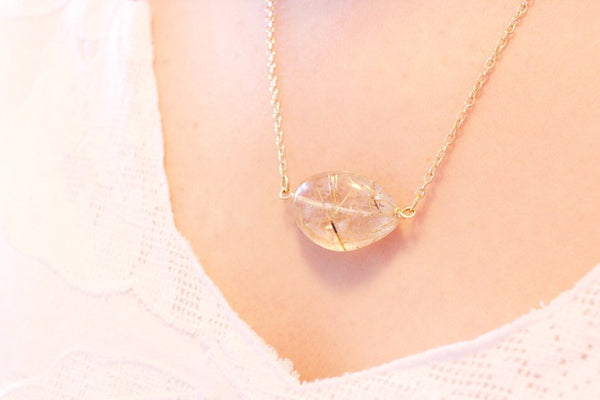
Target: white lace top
(102, 298)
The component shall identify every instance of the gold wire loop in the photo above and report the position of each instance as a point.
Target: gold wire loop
(285, 194)
(404, 213)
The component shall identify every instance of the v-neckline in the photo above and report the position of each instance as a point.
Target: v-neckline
(285, 366)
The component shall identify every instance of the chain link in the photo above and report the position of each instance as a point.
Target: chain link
(410, 211)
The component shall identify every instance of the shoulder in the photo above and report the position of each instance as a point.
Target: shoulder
(30, 30)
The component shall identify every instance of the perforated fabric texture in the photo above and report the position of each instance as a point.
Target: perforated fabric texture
(117, 306)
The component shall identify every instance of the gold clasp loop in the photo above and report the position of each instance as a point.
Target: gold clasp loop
(285, 194)
(405, 213)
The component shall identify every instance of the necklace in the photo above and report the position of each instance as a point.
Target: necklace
(341, 210)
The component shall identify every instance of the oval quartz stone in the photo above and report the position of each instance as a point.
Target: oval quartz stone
(342, 211)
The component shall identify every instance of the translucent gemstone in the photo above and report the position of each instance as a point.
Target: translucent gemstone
(342, 211)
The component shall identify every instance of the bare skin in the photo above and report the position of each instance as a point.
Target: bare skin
(512, 219)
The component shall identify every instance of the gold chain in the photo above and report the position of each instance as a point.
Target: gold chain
(284, 193)
(407, 212)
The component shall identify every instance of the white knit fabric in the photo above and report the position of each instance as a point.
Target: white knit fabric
(102, 298)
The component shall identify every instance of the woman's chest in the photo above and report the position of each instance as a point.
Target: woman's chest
(511, 219)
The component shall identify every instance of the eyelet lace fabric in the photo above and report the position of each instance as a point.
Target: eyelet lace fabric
(117, 305)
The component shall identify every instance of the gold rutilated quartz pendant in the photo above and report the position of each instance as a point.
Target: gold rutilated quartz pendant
(342, 211)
